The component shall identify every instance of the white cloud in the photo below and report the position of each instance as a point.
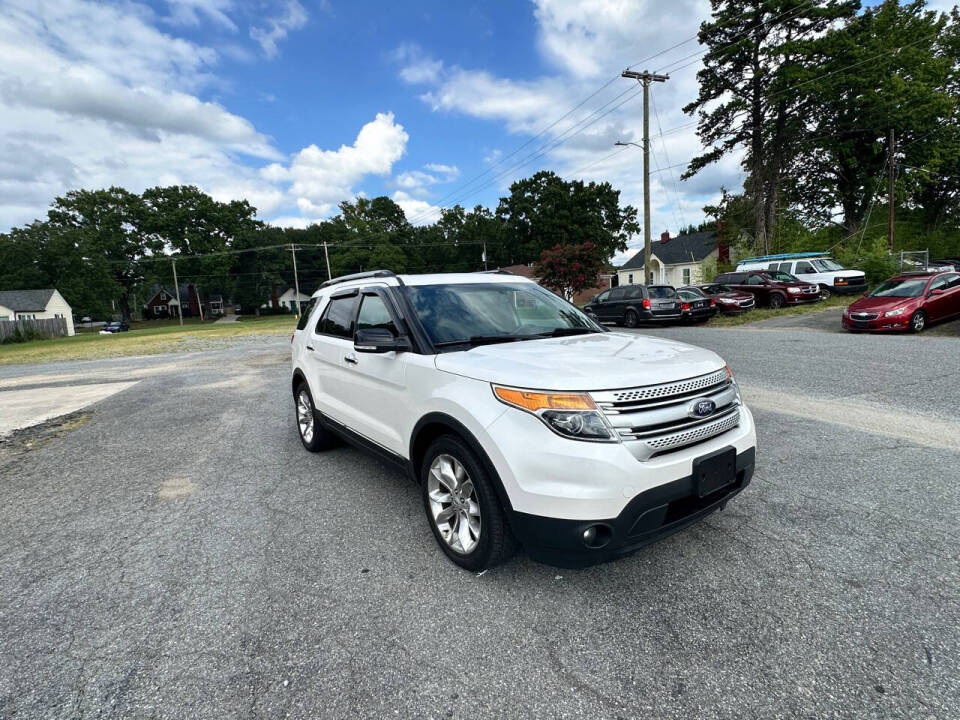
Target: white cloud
(192, 12)
(292, 17)
(419, 212)
(319, 179)
(418, 182)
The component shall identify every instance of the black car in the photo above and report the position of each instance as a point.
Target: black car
(631, 305)
(114, 327)
(697, 307)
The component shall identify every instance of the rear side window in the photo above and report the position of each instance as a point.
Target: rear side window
(305, 313)
(374, 314)
(618, 293)
(772, 266)
(754, 280)
(337, 318)
(953, 281)
(634, 293)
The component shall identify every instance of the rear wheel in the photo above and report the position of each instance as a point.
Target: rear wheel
(631, 319)
(313, 435)
(776, 301)
(825, 292)
(462, 506)
(918, 321)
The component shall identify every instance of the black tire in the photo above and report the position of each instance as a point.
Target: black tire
(825, 292)
(495, 542)
(776, 301)
(918, 321)
(319, 438)
(631, 319)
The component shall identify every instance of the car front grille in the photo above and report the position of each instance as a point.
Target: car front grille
(811, 290)
(747, 303)
(657, 419)
(864, 316)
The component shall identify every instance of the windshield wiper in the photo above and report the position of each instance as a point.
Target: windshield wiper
(475, 340)
(563, 332)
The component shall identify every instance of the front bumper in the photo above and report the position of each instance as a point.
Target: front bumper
(648, 517)
(899, 323)
(801, 298)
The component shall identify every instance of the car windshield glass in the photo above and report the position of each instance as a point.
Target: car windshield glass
(459, 312)
(781, 276)
(662, 293)
(827, 265)
(901, 288)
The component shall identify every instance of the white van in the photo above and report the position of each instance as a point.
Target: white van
(812, 267)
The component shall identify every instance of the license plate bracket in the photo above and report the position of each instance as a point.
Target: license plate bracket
(715, 471)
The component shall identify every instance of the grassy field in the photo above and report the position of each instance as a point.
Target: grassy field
(145, 338)
(762, 313)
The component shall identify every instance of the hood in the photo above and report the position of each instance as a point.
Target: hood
(600, 361)
(734, 295)
(866, 304)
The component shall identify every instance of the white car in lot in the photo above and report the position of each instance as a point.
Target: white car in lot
(811, 267)
(522, 420)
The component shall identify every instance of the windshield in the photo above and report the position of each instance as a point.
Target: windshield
(827, 265)
(901, 288)
(779, 276)
(661, 293)
(458, 312)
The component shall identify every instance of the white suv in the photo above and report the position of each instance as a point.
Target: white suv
(521, 418)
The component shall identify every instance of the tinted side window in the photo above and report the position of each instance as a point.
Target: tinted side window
(772, 266)
(802, 267)
(953, 281)
(634, 293)
(940, 283)
(305, 313)
(374, 314)
(754, 280)
(724, 278)
(337, 318)
(618, 293)
(662, 292)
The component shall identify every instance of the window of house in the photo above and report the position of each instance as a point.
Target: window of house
(160, 308)
(337, 318)
(374, 314)
(630, 279)
(686, 276)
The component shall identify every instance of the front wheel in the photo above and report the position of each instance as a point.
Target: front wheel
(918, 321)
(825, 293)
(631, 319)
(776, 301)
(462, 506)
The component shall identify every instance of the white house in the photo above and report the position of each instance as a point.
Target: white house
(35, 305)
(675, 261)
(289, 300)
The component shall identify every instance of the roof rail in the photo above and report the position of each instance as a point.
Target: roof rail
(784, 256)
(359, 276)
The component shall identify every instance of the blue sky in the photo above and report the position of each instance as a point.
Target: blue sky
(297, 105)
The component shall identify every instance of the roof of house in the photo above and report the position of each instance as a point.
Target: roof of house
(26, 300)
(678, 250)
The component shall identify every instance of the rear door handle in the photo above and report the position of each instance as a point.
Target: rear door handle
(309, 348)
(352, 359)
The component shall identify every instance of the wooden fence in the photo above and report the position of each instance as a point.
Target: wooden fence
(51, 327)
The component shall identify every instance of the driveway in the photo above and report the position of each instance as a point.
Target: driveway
(174, 552)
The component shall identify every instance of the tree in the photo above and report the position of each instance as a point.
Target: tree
(545, 210)
(568, 269)
(108, 227)
(750, 51)
(893, 67)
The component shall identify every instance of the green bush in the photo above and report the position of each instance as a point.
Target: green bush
(872, 257)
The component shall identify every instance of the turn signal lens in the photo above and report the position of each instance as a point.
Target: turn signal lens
(533, 401)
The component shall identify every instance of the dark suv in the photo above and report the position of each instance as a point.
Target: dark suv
(631, 305)
(772, 288)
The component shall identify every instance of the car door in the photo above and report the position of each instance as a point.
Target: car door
(940, 306)
(375, 383)
(616, 305)
(753, 284)
(953, 293)
(806, 272)
(598, 304)
(331, 339)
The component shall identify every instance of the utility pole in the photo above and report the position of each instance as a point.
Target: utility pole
(176, 287)
(645, 78)
(890, 189)
(326, 257)
(296, 280)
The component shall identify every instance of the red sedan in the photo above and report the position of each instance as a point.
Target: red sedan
(910, 301)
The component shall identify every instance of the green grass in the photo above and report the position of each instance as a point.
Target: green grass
(148, 337)
(762, 313)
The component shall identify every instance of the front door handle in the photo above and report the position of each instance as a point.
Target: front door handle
(351, 358)
(309, 348)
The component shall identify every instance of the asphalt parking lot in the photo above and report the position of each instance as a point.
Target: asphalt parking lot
(171, 551)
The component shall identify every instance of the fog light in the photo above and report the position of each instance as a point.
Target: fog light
(597, 536)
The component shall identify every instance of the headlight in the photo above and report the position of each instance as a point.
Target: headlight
(894, 313)
(727, 301)
(733, 382)
(572, 415)
(793, 290)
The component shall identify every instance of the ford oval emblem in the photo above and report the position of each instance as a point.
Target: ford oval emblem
(703, 408)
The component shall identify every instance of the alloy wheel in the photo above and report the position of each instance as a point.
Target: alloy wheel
(454, 506)
(918, 321)
(305, 416)
(630, 320)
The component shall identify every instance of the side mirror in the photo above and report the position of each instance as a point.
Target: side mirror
(935, 291)
(379, 340)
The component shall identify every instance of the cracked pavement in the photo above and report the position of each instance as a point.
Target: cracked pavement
(178, 554)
